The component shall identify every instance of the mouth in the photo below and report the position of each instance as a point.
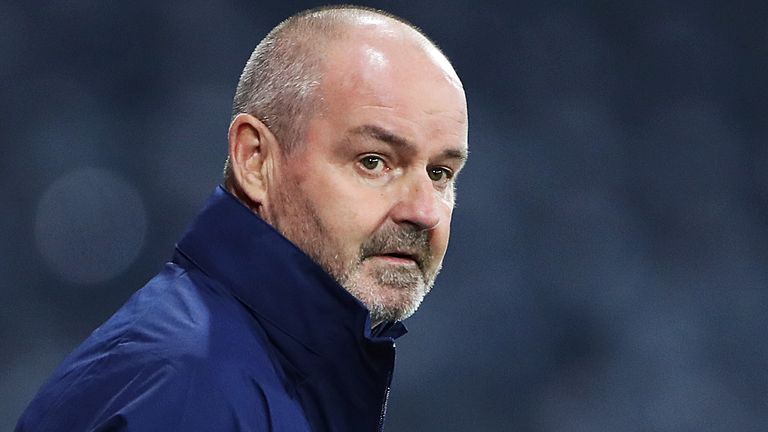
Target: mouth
(398, 257)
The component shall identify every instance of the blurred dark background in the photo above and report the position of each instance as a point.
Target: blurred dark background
(609, 262)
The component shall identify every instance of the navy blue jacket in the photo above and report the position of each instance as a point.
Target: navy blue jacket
(241, 331)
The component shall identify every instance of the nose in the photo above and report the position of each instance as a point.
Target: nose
(417, 205)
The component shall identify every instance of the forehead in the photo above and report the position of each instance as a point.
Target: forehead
(394, 79)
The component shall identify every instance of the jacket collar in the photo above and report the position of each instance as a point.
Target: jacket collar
(277, 281)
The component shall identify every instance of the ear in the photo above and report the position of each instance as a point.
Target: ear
(252, 153)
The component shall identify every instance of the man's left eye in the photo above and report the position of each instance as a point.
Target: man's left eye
(439, 174)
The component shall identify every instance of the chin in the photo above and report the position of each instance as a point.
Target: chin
(391, 303)
(390, 292)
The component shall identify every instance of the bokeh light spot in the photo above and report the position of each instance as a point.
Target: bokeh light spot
(90, 225)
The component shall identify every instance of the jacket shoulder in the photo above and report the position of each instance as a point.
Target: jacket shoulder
(180, 351)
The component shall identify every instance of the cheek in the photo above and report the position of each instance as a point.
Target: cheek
(355, 219)
(346, 215)
(350, 208)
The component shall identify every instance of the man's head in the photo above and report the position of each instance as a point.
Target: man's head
(348, 129)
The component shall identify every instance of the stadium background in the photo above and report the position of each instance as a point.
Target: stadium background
(608, 267)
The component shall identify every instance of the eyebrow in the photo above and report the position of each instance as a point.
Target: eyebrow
(395, 140)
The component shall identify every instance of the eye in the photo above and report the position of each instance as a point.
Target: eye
(373, 163)
(439, 174)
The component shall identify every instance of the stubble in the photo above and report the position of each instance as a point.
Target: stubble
(391, 292)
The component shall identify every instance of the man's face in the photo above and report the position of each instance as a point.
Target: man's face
(369, 195)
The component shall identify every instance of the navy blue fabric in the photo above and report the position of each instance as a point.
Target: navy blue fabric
(241, 331)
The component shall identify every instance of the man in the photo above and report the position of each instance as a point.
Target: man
(349, 128)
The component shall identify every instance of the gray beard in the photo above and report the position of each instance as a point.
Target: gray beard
(395, 292)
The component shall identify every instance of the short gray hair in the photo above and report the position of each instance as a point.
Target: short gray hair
(280, 80)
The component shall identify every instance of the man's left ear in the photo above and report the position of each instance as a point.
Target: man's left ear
(252, 149)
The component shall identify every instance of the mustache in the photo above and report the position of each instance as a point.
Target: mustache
(410, 240)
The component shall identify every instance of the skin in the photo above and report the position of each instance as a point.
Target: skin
(370, 194)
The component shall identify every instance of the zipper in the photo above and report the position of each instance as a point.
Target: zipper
(384, 404)
(389, 386)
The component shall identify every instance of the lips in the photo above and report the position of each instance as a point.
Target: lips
(399, 257)
(402, 255)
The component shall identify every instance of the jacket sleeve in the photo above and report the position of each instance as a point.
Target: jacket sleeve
(140, 394)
